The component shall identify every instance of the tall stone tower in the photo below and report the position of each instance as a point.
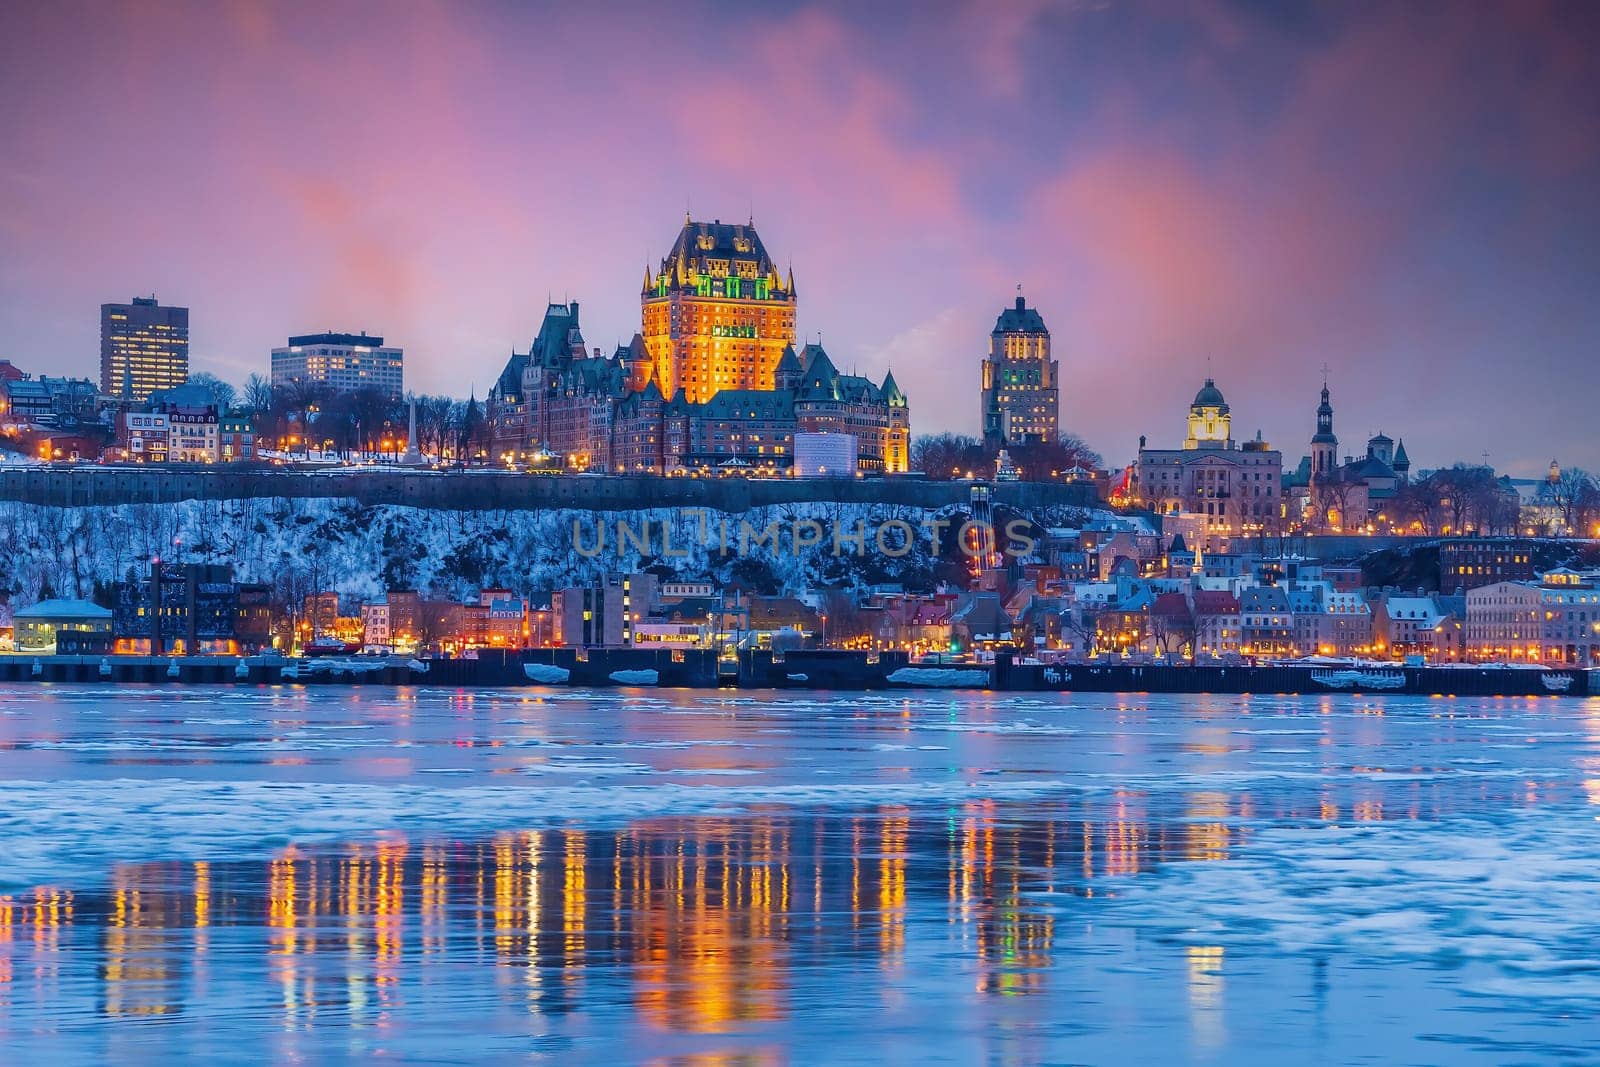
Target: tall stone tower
(1020, 403)
(1324, 445)
(717, 315)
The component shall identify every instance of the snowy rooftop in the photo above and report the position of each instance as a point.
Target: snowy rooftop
(65, 609)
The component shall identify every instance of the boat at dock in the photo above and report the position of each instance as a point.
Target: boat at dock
(1359, 679)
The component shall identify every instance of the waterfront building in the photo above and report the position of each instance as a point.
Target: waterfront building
(1020, 401)
(1266, 624)
(1419, 624)
(716, 315)
(1329, 622)
(603, 614)
(39, 628)
(1218, 624)
(505, 619)
(1554, 620)
(178, 608)
(144, 347)
(339, 363)
(375, 632)
(1226, 491)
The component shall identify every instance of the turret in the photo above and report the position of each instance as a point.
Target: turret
(891, 392)
(786, 375)
(1402, 462)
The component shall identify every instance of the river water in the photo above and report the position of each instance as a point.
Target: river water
(332, 875)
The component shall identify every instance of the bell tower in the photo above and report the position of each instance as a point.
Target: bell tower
(1324, 445)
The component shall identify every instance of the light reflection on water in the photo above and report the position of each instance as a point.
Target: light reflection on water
(1067, 925)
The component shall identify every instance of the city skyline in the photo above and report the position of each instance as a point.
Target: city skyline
(1232, 234)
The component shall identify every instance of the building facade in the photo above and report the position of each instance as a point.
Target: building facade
(1554, 621)
(47, 401)
(339, 363)
(578, 408)
(184, 425)
(716, 315)
(1020, 402)
(1324, 493)
(1467, 563)
(1224, 491)
(144, 347)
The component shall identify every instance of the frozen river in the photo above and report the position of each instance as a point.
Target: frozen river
(321, 875)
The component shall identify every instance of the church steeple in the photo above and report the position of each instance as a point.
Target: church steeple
(1324, 445)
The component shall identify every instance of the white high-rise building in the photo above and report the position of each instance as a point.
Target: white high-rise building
(339, 363)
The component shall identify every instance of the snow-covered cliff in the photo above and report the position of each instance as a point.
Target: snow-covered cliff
(362, 550)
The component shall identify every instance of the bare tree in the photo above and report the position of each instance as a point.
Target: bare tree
(257, 397)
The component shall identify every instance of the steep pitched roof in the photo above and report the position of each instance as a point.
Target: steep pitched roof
(788, 363)
(749, 403)
(509, 385)
(558, 336)
(1263, 598)
(1171, 605)
(1020, 318)
(820, 379)
(64, 609)
(891, 391)
(1215, 602)
(700, 242)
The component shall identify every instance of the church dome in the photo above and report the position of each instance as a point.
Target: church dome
(1209, 396)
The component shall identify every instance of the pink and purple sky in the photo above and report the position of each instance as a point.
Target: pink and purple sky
(1406, 192)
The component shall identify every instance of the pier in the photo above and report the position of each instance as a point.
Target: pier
(826, 669)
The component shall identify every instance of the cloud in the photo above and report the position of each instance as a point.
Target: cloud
(1404, 192)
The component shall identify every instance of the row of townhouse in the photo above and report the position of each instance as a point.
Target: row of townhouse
(1554, 620)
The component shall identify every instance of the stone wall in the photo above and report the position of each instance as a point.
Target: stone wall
(474, 490)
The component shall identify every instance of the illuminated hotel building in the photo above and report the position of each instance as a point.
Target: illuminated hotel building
(144, 347)
(1020, 404)
(716, 316)
(339, 363)
(712, 382)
